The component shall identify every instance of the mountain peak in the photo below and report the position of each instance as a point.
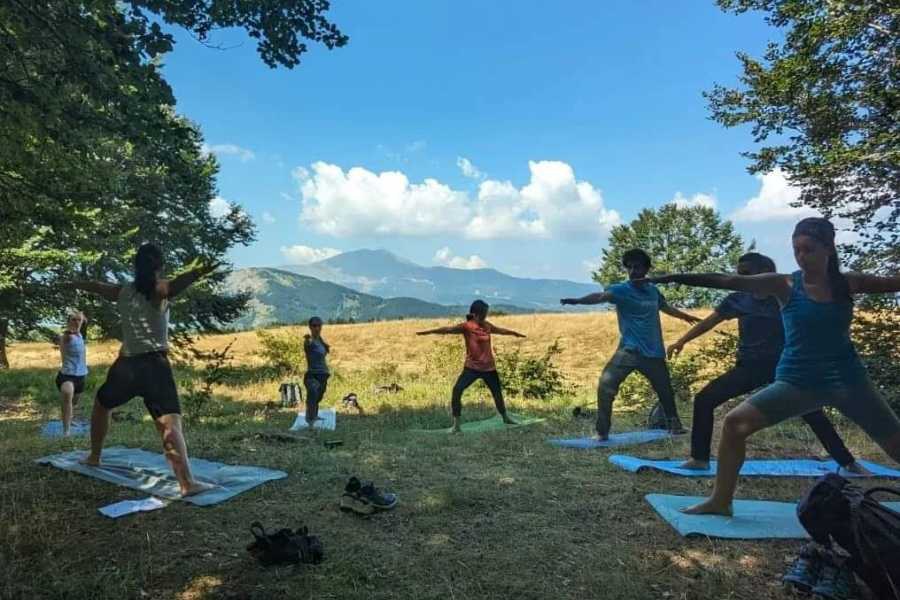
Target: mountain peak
(367, 259)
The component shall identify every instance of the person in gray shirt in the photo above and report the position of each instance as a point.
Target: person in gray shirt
(316, 378)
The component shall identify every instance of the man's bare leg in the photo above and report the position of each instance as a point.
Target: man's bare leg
(66, 393)
(740, 424)
(99, 427)
(175, 450)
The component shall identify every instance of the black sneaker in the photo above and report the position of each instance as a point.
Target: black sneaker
(804, 572)
(365, 498)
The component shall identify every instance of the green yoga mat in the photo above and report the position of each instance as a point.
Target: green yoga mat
(495, 423)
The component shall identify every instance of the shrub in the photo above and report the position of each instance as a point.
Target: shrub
(532, 376)
(197, 392)
(685, 370)
(282, 352)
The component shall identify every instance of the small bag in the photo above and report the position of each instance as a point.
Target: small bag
(291, 394)
(835, 509)
(285, 546)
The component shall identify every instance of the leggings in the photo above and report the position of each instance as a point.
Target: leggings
(470, 376)
(743, 378)
(315, 384)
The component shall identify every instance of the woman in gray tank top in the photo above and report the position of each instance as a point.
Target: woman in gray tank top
(73, 366)
(142, 368)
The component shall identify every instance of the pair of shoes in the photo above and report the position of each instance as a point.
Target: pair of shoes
(365, 498)
(817, 571)
(285, 546)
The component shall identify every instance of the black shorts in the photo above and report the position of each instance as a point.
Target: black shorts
(146, 375)
(77, 381)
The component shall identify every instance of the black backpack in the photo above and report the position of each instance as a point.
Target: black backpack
(836, 510)
(285, 546)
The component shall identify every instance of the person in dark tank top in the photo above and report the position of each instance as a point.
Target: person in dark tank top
(818, 367)
(760, 342)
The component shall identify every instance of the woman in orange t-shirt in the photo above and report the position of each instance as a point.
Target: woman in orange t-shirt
(479, 359)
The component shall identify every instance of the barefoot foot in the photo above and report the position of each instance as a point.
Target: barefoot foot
(197, 487)
(455, 429)
(695, 465)
(509, 421)
(709, 507)
(90, 460)
(601, 437)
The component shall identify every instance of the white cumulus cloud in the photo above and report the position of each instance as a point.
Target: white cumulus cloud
(358, 201)
(445, 257)
(705, 200)
(267, 217)
(228, 150)
(468, 169)
(219, 207)
(304, 255)
(773, 202)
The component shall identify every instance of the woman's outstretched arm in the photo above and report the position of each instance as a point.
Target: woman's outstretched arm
(862, 283)
(442, 330)
(765, 284)
(502, 331)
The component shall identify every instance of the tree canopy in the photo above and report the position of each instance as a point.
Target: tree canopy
(94, 159)
(678, 239)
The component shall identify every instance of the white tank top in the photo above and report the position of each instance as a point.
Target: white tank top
(145, 328)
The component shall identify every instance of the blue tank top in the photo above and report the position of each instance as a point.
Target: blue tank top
(73, 356)
(817, 352)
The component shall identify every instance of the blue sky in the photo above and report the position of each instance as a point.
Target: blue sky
(511, 135)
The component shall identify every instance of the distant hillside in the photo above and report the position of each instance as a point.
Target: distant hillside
(283, 297)
(384, 274)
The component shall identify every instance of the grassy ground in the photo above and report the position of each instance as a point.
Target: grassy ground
(498, 515)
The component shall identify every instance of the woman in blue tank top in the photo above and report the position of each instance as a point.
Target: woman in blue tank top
(73, 366)
(819, 366)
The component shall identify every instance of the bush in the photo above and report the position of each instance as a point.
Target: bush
(876, 334)
(636, 391)
(282, 352)
(445, 359)
(532, 376)
(197, 392)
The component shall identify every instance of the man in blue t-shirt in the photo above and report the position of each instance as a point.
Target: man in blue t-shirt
(641, 348)
(761, 339)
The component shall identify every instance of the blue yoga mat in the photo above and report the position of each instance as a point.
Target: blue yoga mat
(752, 520)
(149, 472)
(54, 429)
(803, 467)
(629, 438)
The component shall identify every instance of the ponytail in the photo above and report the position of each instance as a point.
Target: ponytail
(837, 281)
(147, 262)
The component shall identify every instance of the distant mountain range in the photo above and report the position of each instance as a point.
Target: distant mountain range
(384, 274)
(279, 296)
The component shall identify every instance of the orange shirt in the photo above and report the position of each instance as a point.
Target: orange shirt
(479, 355)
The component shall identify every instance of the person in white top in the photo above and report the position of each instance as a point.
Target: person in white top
(142, 368)
(73, 366)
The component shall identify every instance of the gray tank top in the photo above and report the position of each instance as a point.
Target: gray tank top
(145, 328)
(74, 362)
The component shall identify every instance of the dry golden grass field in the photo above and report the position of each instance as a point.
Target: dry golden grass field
(492, 515)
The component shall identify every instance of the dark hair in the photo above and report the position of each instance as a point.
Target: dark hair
(822, 231)
(636, 255)
(147, 261)
(314, 321)
(479, 308)
(760, 262)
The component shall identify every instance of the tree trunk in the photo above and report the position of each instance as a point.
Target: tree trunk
(4, 330)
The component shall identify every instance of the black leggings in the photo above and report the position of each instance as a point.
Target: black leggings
(743, 378)
(470, 376)
(315, 384)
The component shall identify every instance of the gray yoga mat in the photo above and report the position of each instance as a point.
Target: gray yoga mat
(149, 472)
